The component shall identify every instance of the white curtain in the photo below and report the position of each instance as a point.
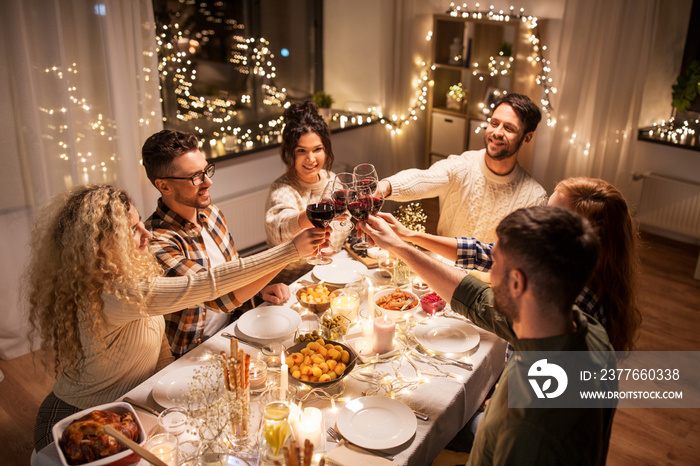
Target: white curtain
(81, 92)
(604, 56)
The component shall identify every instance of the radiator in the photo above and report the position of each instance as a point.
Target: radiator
(670, 205)
(245, 217)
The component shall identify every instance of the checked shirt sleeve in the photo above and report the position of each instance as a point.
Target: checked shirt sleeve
(474, 254)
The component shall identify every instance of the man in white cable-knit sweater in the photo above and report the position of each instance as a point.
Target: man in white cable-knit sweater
(478, 188)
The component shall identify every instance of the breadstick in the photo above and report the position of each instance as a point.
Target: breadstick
(241, 367)
(234, 347)
(247, 370)
(308, 452)
(227, 383)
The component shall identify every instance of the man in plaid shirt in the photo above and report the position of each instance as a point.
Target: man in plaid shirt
(190, 236)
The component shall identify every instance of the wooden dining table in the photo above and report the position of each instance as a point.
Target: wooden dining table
(448, 401)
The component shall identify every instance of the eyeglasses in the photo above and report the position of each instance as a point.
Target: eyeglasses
(195, 179)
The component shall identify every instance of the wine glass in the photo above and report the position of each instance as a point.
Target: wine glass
(365, 174)
(343, 193)
(360, 209)
(377, 201)
(320, 211)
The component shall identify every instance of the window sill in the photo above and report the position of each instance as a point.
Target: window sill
(218, 151)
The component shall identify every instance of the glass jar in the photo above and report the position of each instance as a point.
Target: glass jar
(275, 433)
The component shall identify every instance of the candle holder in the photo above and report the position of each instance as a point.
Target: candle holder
(164, 446)
(345, 302)
(272, 354)
(258, 376)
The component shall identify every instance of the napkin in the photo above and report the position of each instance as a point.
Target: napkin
(345, 454)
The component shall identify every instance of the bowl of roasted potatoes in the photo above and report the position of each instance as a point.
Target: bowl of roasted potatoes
(320, 363)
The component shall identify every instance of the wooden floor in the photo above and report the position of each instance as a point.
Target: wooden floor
(670, 300)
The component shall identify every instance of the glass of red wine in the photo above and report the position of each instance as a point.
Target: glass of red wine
(365, 175)
(320, 211)
(343, 193)
(360, 208)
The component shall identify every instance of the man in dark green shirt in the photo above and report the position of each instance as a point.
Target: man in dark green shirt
(542, 259)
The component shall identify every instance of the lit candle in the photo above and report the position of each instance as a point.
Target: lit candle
(164, 447)
(284, 381)
(310, 426)
(367, 329)
(257, 375)
(384, 329)
(363, 346)
(370, 303)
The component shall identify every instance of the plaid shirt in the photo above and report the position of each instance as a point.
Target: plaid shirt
(180, 248)
(473, 254)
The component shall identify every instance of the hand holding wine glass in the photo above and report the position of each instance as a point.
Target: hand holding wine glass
(320, 211)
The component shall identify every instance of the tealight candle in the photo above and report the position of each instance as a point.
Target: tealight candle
(257, 376)
(173, 420)
(364, 346)
(384, 329)
(164, 447)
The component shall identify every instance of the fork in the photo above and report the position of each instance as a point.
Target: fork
(338, 437)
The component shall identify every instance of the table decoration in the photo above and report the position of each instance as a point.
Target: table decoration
(272, 353)
(345, 302)
(258, 376)
(308, 426)
(174, 420)
(164, 447)
(275, 432)
(383, 334)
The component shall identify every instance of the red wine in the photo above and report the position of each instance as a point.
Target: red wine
(369, 183)
(360, 209)
(321, 213)
(376, 205)
(341, 197)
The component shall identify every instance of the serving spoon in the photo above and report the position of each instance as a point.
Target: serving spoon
(135, 447)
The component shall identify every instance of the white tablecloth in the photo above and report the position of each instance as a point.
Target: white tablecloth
(450, 402)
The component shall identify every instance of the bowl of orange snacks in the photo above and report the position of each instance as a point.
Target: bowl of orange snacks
(316, 298)
(320, 363)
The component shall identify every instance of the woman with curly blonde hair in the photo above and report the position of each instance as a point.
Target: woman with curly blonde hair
(96, 297)
(610, 294)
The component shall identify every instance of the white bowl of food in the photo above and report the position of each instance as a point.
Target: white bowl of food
(396, 303)
(80, 436)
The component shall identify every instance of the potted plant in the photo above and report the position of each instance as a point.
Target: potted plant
(324, 102)
(687, 89)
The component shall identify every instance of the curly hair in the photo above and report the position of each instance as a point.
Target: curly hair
(81, 246)
(161, 148)
(614, 279)
(299, 119)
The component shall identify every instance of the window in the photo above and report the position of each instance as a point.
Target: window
(227, 68)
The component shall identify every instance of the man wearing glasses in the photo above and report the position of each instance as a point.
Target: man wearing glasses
(190, 236)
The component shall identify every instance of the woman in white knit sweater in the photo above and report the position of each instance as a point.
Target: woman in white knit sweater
(308, 155)
(96, 297)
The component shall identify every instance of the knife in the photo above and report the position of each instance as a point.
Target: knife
(146, 408)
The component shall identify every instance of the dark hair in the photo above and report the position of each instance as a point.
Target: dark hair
(554, 247)
(159, 151)
(299, 119)
(525, 108)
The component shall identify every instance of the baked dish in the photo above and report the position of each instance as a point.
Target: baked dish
(85, 441)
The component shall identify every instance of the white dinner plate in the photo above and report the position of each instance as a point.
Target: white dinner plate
(376, 422)
(446, 335)
(269, 322)
(170, 390)
(340, 272)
